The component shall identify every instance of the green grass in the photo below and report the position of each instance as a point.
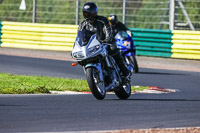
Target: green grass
(19, 84)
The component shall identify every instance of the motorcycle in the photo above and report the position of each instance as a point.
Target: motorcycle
(102, 73)
(126, 45)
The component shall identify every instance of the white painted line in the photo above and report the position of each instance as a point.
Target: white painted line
(69, 92)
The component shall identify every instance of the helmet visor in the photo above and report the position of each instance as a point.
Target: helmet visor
(113, 22)
(90, 17)
(87, 15)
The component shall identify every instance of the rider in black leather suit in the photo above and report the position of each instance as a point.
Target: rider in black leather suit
(117, 25)
(100, 26)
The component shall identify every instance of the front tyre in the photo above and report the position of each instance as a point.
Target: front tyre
(124, 91)
(96, 86)
(134, 62)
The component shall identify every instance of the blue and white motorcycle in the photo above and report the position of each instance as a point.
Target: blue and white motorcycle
(126, 45)
(101, 70)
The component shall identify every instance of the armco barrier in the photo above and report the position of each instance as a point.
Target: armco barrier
(38, 36)
(160, 43)
(152, 42)
(186, 44)
(0, 32)
(166, 43)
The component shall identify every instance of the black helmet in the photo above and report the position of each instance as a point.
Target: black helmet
(113, 19)
(90, 11)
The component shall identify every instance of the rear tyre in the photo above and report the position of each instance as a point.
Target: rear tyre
(96, 86)
(124, 91)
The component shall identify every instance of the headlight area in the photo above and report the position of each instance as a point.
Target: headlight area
(94, 49)
(78, 54)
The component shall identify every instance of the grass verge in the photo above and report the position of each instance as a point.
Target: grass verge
(19, 84)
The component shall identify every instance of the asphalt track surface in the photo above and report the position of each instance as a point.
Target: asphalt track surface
(60, 113)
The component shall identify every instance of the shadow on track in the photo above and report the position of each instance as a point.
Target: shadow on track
(173, 100)
(160, 73)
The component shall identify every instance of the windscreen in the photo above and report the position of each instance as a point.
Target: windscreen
(83, 37)
(122, 35)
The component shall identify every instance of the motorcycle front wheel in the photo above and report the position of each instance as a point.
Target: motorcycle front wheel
(96, 86)
(134, 62)
(124, 91)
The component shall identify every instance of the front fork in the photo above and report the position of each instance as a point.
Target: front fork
(98, 67)
(129, 64)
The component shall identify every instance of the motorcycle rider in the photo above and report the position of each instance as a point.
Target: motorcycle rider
(100, 25)
(117, 25)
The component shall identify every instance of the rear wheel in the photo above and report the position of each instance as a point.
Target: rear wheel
(96, 86)
(124, 91)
